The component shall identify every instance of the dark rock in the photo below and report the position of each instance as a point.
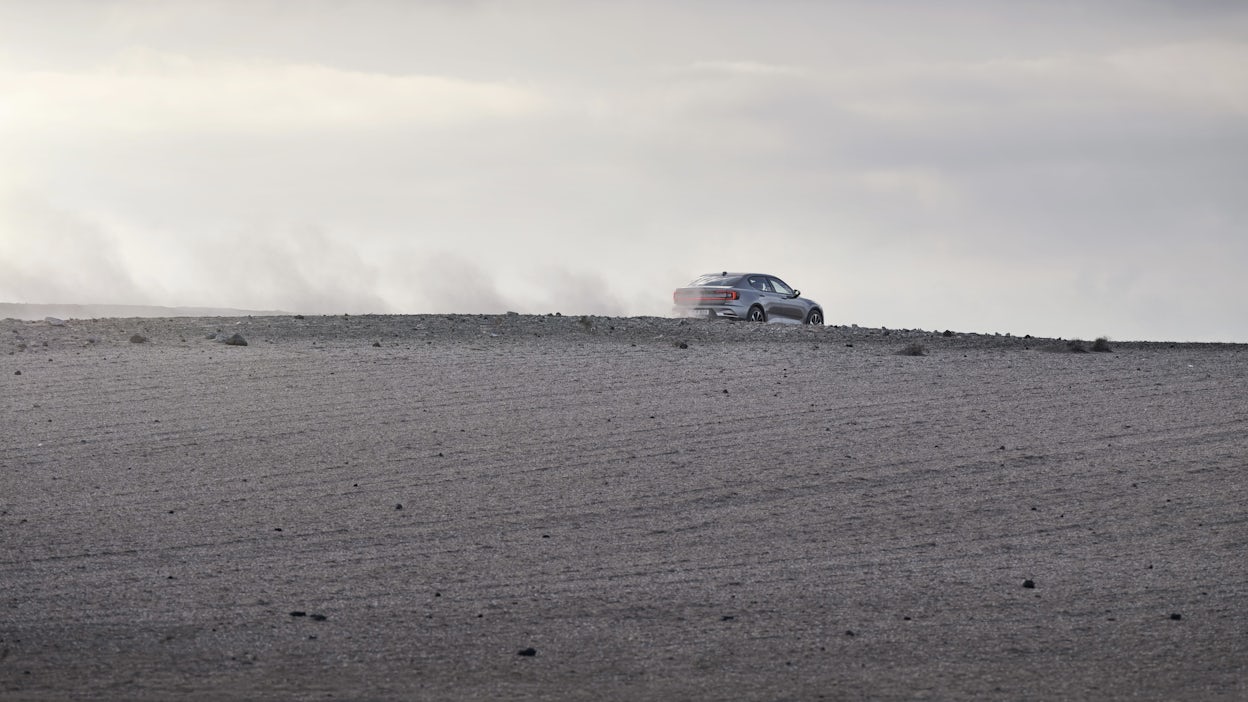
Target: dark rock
(913, 349)
(317, 617)
(682, 345)
(530, 651)
(298, 613)
(235, 340)
(376, 344)
(138, 339)
(1029, 584)
(1176, 616)
(17, 372)
(398, 506)
(849, 632)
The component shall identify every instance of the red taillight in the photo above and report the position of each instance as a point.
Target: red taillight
(700, 295)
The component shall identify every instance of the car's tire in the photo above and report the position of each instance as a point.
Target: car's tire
(814, 316)
(756, 314)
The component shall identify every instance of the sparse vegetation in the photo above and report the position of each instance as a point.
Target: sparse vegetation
(1101, 345)
(1076, 346)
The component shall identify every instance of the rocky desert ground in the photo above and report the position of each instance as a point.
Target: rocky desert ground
(546, 507)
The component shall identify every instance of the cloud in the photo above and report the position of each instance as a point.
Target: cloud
(967, 164)
(148, 92)
(751, 69)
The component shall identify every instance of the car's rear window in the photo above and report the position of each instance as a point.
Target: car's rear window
(710, 280)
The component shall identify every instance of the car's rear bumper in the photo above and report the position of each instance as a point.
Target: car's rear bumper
(711, 312)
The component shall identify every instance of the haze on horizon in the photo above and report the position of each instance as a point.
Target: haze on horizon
(1053, 168)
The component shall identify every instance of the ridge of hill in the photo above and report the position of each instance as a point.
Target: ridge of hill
(35, 311)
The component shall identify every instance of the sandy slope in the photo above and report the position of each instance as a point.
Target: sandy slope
(655, 522)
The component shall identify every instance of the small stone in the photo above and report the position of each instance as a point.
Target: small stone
(138, 339)
(1029, 584)
(235, 340)
(17, 372)
(317, 617)
(1176, 616)
(398, 506)
(376, 344)
(849, 632)
(683, 345)
(530, 651)
(298, 613)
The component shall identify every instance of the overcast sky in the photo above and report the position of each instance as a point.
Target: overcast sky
(1069, 169)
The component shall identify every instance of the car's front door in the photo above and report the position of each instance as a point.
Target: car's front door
(782, 303)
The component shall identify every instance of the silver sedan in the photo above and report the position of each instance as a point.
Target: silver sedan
(757, 297)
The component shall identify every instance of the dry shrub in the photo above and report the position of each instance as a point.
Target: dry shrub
(1076, 346)
(913, 349)
(1101, 345)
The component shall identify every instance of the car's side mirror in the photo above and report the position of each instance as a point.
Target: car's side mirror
(796, 293)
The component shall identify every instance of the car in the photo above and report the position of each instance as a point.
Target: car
(756, 297)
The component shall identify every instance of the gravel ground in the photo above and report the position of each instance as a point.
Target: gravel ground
(545, 507)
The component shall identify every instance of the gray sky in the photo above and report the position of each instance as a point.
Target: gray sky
(1054, 168)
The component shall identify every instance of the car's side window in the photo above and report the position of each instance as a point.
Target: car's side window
(780, 287)
(758, 282)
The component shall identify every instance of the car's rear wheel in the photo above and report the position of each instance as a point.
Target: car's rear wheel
(756, 314)
(814, 317)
